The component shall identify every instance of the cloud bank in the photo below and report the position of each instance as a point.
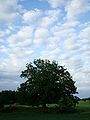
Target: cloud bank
(56, 33)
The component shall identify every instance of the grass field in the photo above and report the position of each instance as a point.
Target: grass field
(83, 113)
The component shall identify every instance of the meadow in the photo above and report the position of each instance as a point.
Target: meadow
(26, 113)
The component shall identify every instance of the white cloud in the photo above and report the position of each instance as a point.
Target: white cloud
(41, 18)
(50, 17)
(70, 24)
(38, 41)
(40, 36)
(22, 38)
(76, 8)
(3, 49)
(56, 3)
(50, 54)
(17, 58)
(64, 33)
(8, 10)
(52, 42)
(84, 39)
(17, 50)
(8, 65)
(18, 53)
(49, 42)
(71, 44)
(41, 33)
(54, 33)
(82, 80)
(32, 15)
(85, 34)
(4, 33)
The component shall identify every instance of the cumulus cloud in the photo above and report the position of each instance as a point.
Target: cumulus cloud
(82, 80)
(56, 3)
(32, 15)
(84, 37)
(53, 33)
(22, 38)
(71, 44)
(41, 18)
(41, 33)
(85, 34)
(4, 33)
(40, 36)
(76, 8)
(50, 17)
(17, 49)
(8, 10)
(64, 33)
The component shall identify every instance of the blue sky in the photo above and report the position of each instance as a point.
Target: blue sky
(47, 29)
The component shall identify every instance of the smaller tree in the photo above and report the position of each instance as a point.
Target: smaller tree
(47, 82)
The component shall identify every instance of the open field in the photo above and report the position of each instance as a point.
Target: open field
(83, 113)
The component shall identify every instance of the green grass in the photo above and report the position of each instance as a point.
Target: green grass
(84, 107)
(83, 113)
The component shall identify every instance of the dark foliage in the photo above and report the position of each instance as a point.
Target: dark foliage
(7, 97)
(47, 83)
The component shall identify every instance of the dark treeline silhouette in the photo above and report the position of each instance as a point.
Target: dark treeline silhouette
(85, 99)
(7, 97)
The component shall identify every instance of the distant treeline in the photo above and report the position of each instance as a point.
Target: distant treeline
(85, 99)
(8, 97)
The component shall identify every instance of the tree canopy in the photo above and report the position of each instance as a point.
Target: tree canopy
(47, 83)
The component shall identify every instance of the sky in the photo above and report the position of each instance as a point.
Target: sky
(47, 29)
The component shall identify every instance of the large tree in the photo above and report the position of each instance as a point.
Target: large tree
(47, 83)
